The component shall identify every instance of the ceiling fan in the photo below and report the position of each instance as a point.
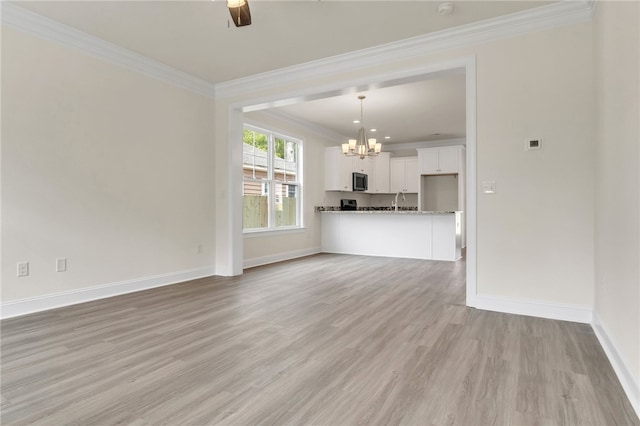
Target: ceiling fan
(239, 10)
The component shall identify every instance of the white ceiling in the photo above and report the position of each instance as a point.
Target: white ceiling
(196, 37)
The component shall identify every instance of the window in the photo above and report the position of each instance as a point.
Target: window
(271, 190)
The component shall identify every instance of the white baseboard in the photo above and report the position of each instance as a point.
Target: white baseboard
(279, 257)
(30, 305)
(534, 308)
(629, 383)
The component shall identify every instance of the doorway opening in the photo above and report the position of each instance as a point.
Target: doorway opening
(465, 66)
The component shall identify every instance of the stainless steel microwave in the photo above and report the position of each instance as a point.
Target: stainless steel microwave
(360, 181)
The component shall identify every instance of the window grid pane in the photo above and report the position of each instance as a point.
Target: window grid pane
(286, 205)
(255, 155)
(255, 204)
(285, 161)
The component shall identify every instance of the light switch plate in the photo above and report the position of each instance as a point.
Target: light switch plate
(489, 186)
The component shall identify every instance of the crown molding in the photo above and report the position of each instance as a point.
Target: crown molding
(538, 19)
(391, 147)
(37, 25)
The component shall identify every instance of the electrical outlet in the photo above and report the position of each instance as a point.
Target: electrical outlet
(61, 264)
(23, 269)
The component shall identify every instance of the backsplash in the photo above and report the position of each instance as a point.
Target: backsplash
(364, 209)
(332, 198)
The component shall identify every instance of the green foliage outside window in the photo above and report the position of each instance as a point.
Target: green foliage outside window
(257, 140)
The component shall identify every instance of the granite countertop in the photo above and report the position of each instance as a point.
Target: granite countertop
(378, 210)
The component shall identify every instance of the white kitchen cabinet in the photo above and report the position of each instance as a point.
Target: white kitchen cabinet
(396, 174)
(337, 170)
(404, 175)
(449, 158)
(439, 161)
(379, 174)
(412, 175)
(359, 165)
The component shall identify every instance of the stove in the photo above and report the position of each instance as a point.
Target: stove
(348, 205)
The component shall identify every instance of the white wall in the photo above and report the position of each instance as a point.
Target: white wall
(108, 168)
(265, 247)
(617, 290)
(535, 234)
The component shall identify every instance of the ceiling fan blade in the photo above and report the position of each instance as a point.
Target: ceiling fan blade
(241, 15)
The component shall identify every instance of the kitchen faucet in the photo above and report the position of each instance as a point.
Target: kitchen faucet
(395, 203)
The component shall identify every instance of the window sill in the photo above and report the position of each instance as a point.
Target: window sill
(271, 232)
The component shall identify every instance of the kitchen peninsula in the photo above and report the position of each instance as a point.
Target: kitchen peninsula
(404, 233)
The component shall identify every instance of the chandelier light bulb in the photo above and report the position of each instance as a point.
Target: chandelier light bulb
(235, 3)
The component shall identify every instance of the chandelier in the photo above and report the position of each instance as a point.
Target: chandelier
(362, 146)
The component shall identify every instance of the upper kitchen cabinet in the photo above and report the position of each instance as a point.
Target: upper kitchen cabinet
(361, 165)
(379, 174)
(404, 176)
(440, 161)
(337, 170)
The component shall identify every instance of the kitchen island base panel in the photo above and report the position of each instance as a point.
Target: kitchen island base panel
(446, 236)
(415, 236)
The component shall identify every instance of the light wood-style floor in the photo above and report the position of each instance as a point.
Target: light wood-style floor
(329, 339)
